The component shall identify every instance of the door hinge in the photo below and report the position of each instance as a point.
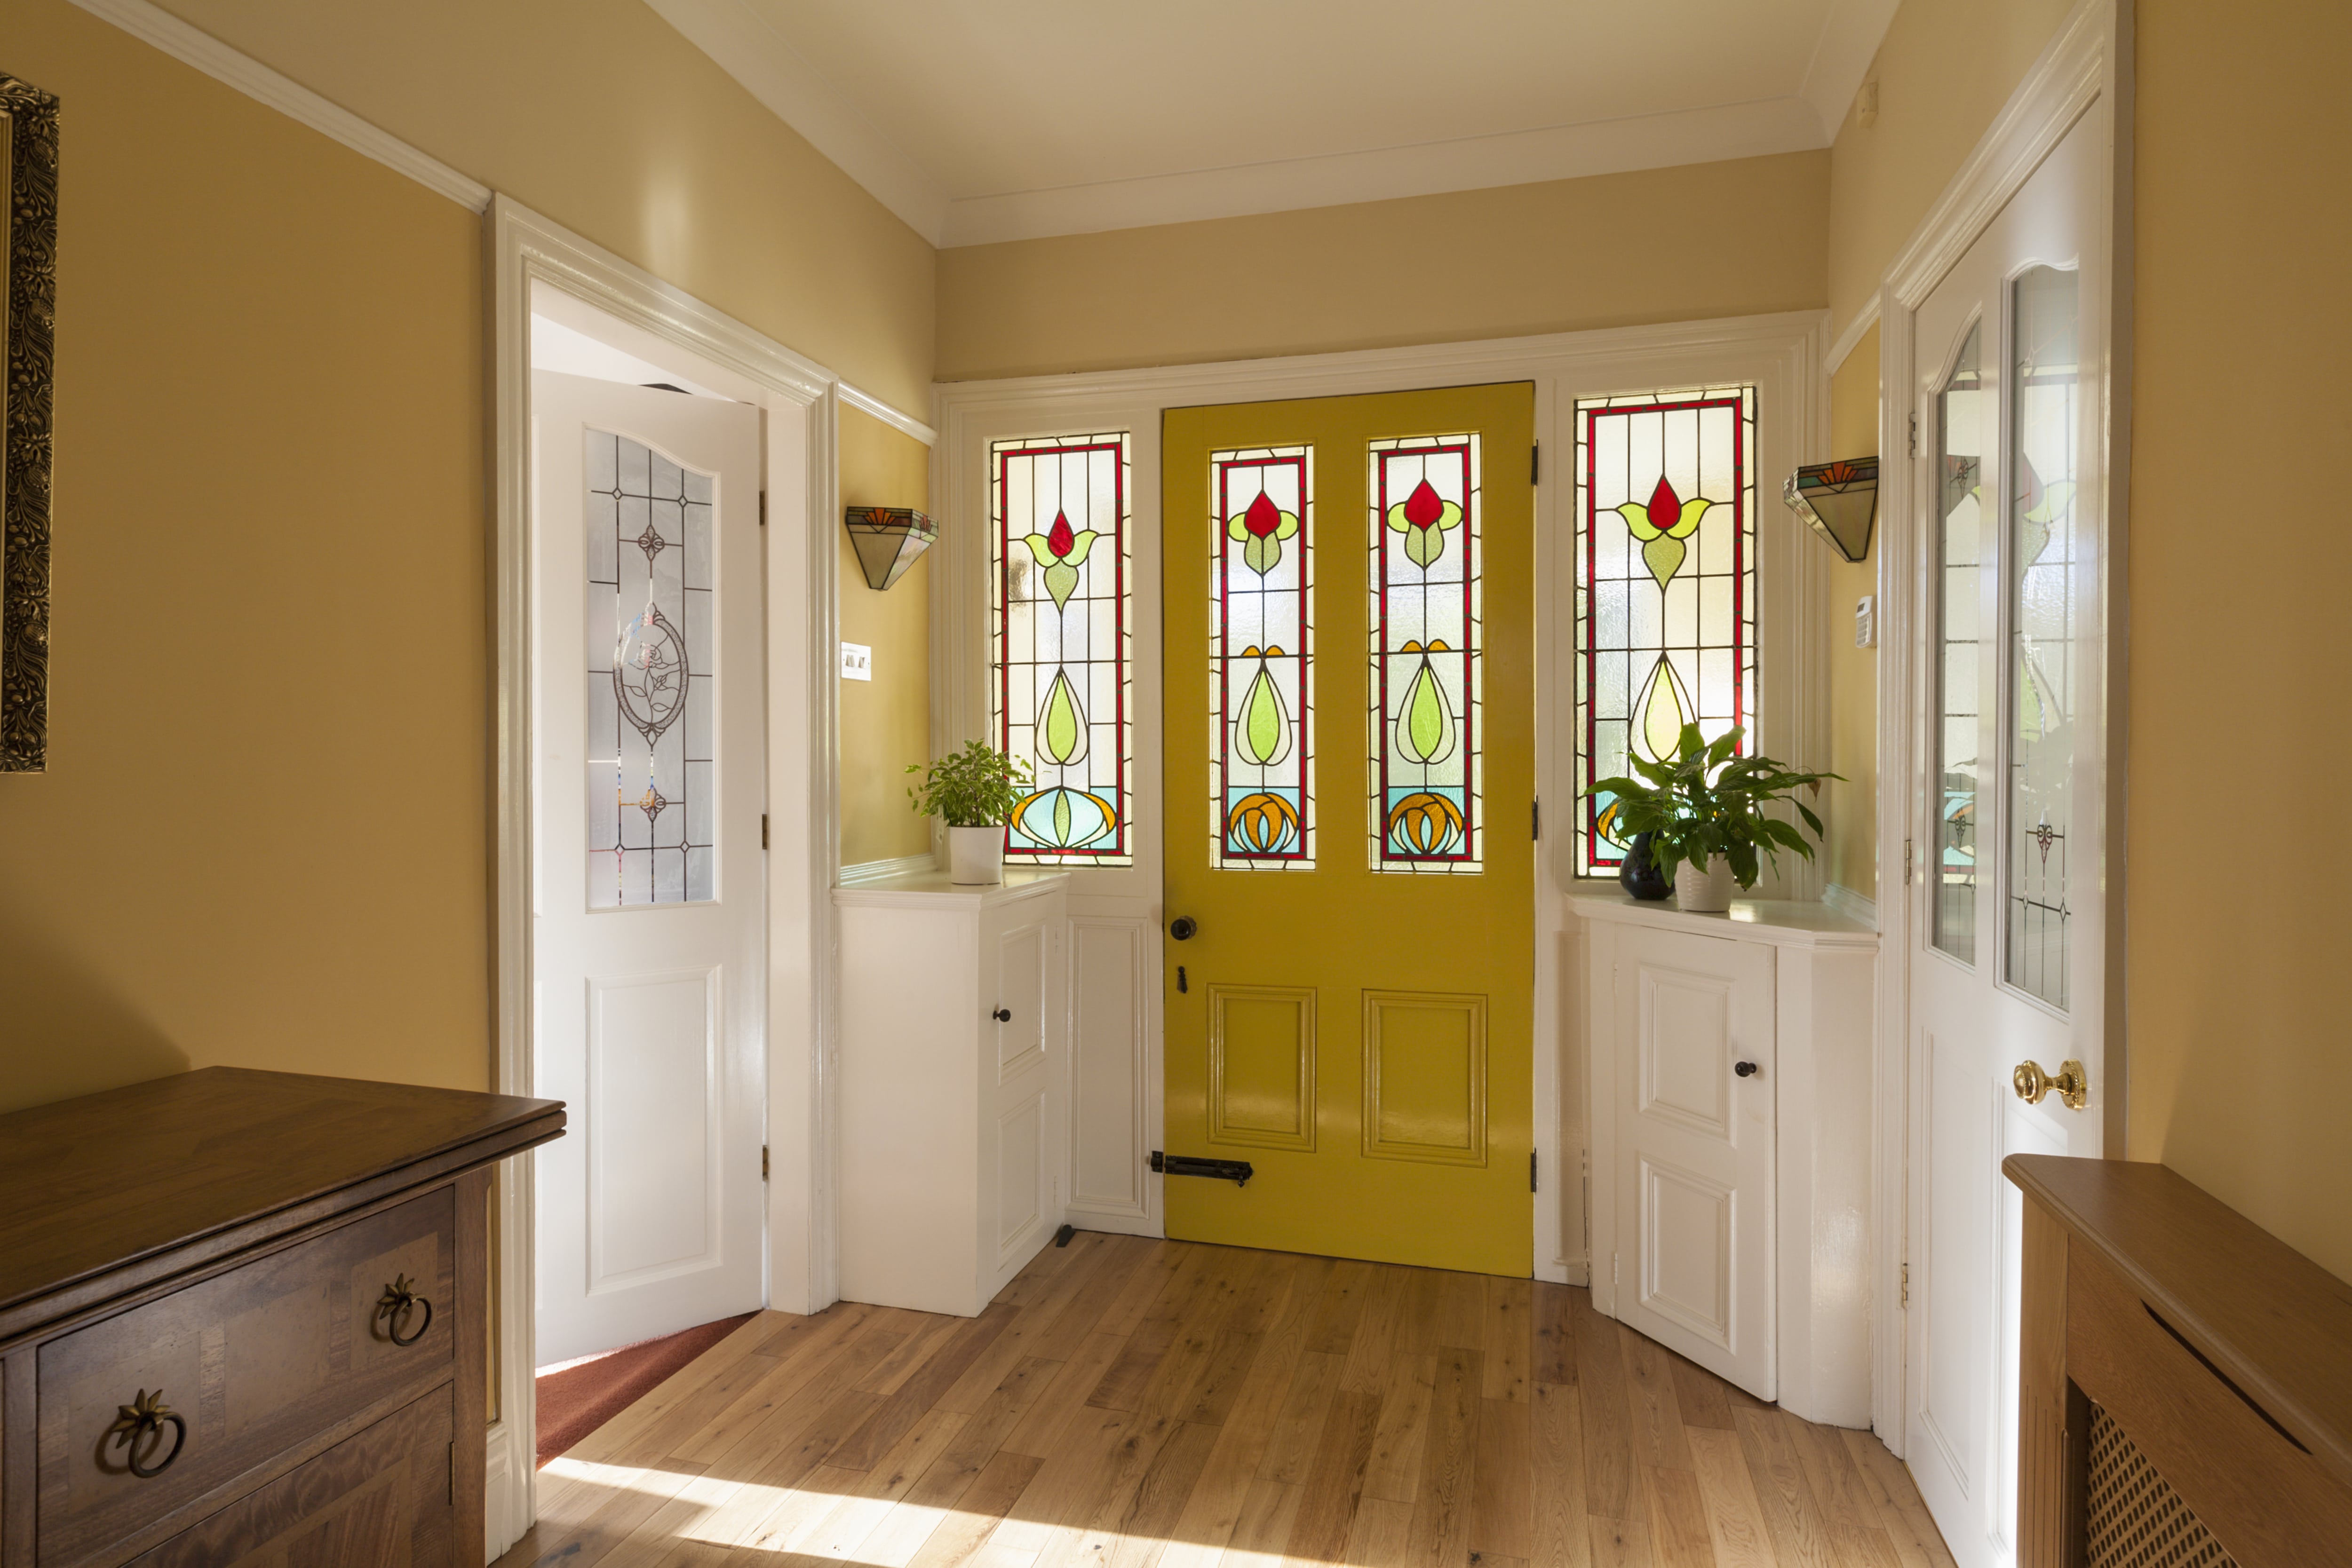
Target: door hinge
(1914, 436)
(453, 1475)
(764, 509)
(1535, 463)
(1532, 1157)
(1906, 863)
(1612, 1267)
(763, 830)
(1907, 1284)
(1535, 818)
(763, 1162)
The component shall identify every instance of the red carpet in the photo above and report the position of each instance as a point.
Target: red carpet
(582, 1397)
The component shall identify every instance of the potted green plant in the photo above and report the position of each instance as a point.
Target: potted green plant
(975, 789)
(1705, 810)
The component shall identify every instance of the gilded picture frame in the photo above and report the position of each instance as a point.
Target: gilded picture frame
(28, 146)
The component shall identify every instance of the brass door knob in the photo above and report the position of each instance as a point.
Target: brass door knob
(2032, 1083)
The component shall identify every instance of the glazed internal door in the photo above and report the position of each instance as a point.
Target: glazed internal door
(1349, 722)
(2005, 965)
(650, 927)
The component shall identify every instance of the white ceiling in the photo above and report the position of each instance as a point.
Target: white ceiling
(1022, 118)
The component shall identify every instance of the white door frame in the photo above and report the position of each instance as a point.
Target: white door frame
(2087, 69)
(800, 459)
(1780, 354)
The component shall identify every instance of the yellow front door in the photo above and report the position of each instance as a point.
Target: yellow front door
(1349, 637)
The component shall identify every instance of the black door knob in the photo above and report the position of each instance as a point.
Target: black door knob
(1747, 1069)
(1184, 928)
(1003, 1014)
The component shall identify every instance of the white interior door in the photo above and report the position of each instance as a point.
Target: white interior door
(1694, 1143)
(651, 910)
(2006, 794)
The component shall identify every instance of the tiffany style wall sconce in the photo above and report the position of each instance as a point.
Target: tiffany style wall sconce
(1839, 500)
(887, 540)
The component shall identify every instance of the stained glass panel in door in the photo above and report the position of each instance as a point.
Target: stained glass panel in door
(1960, 511)
(1426, 813)
(2044, 549)
(652, 826)
(1261, 658)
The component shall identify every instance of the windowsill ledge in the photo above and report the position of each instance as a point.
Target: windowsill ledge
(1783, 922)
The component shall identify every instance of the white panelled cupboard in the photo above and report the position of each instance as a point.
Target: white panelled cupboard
(952, 1078)
(1730, 1096)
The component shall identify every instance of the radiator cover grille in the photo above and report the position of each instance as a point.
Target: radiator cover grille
(2138, 1520)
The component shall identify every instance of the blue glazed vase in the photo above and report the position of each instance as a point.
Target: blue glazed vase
(1638, 874)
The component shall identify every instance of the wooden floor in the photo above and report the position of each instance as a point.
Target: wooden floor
(1137, 1404)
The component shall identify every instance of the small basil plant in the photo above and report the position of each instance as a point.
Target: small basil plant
(977, 787)
(1705, 801)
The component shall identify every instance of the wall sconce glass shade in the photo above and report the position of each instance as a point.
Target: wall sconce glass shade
(887, 540)
(1839, 499)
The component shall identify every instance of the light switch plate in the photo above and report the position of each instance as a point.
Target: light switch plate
(857, 662)
(1865, 622)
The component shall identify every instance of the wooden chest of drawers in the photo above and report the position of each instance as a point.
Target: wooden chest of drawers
(244, 1320)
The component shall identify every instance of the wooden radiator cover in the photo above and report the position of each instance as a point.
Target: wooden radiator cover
(2185, 1394)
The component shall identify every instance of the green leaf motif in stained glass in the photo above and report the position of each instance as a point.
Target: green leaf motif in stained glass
(1662, 707)
(1061, 551)
(1426, 729)
(1262, 735)
(1662, 524)
(1063, 733)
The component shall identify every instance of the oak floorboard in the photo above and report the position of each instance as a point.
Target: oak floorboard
(1134, 1403)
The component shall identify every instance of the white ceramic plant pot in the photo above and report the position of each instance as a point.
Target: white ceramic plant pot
(1705, 892)
(975, 855)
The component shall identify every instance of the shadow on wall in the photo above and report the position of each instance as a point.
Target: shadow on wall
(63, 1031)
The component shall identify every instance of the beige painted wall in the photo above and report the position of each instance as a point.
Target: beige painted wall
(261, 839)
(885, 723)
(1943, 71)
(1852, 858)
(598, 114)
(1615, 250)
(2241, 1079)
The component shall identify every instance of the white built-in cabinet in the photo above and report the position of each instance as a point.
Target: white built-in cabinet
(951, 1080)
(1730, 1060)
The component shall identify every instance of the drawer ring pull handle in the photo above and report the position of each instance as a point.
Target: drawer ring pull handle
(144, 1418)
(398, 1300)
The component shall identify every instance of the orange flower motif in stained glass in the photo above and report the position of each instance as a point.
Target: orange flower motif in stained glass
(1660, 525)
(1425, 824)
(1262, 824)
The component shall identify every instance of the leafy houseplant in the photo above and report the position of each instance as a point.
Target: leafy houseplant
(976, 789)
(1703, 811)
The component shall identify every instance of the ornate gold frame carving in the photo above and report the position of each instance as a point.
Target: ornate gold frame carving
(29, 122)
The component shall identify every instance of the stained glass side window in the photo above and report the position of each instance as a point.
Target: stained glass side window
(1665, 562)
(651, 823)
(1426, 811)
(1261, 658)
(2042, 668)
(1063, 620)
(1960, 550)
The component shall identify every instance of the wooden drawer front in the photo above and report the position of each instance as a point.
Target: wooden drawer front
(2267, 1500)
(378, 1499)
(258, 1361)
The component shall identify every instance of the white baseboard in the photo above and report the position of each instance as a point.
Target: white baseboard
(1845, 900)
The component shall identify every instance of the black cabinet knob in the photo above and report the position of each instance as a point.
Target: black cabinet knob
(1748, 1069)
(1183, 928)
(1003, 1014)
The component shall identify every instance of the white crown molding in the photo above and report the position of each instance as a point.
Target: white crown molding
(775, 73)
(256, 81)
(1852, 334)
(1851, 35)
(867, 403)
(1475, 162)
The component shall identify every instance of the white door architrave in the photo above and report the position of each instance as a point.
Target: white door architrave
(538, 265)
(2082, 77)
